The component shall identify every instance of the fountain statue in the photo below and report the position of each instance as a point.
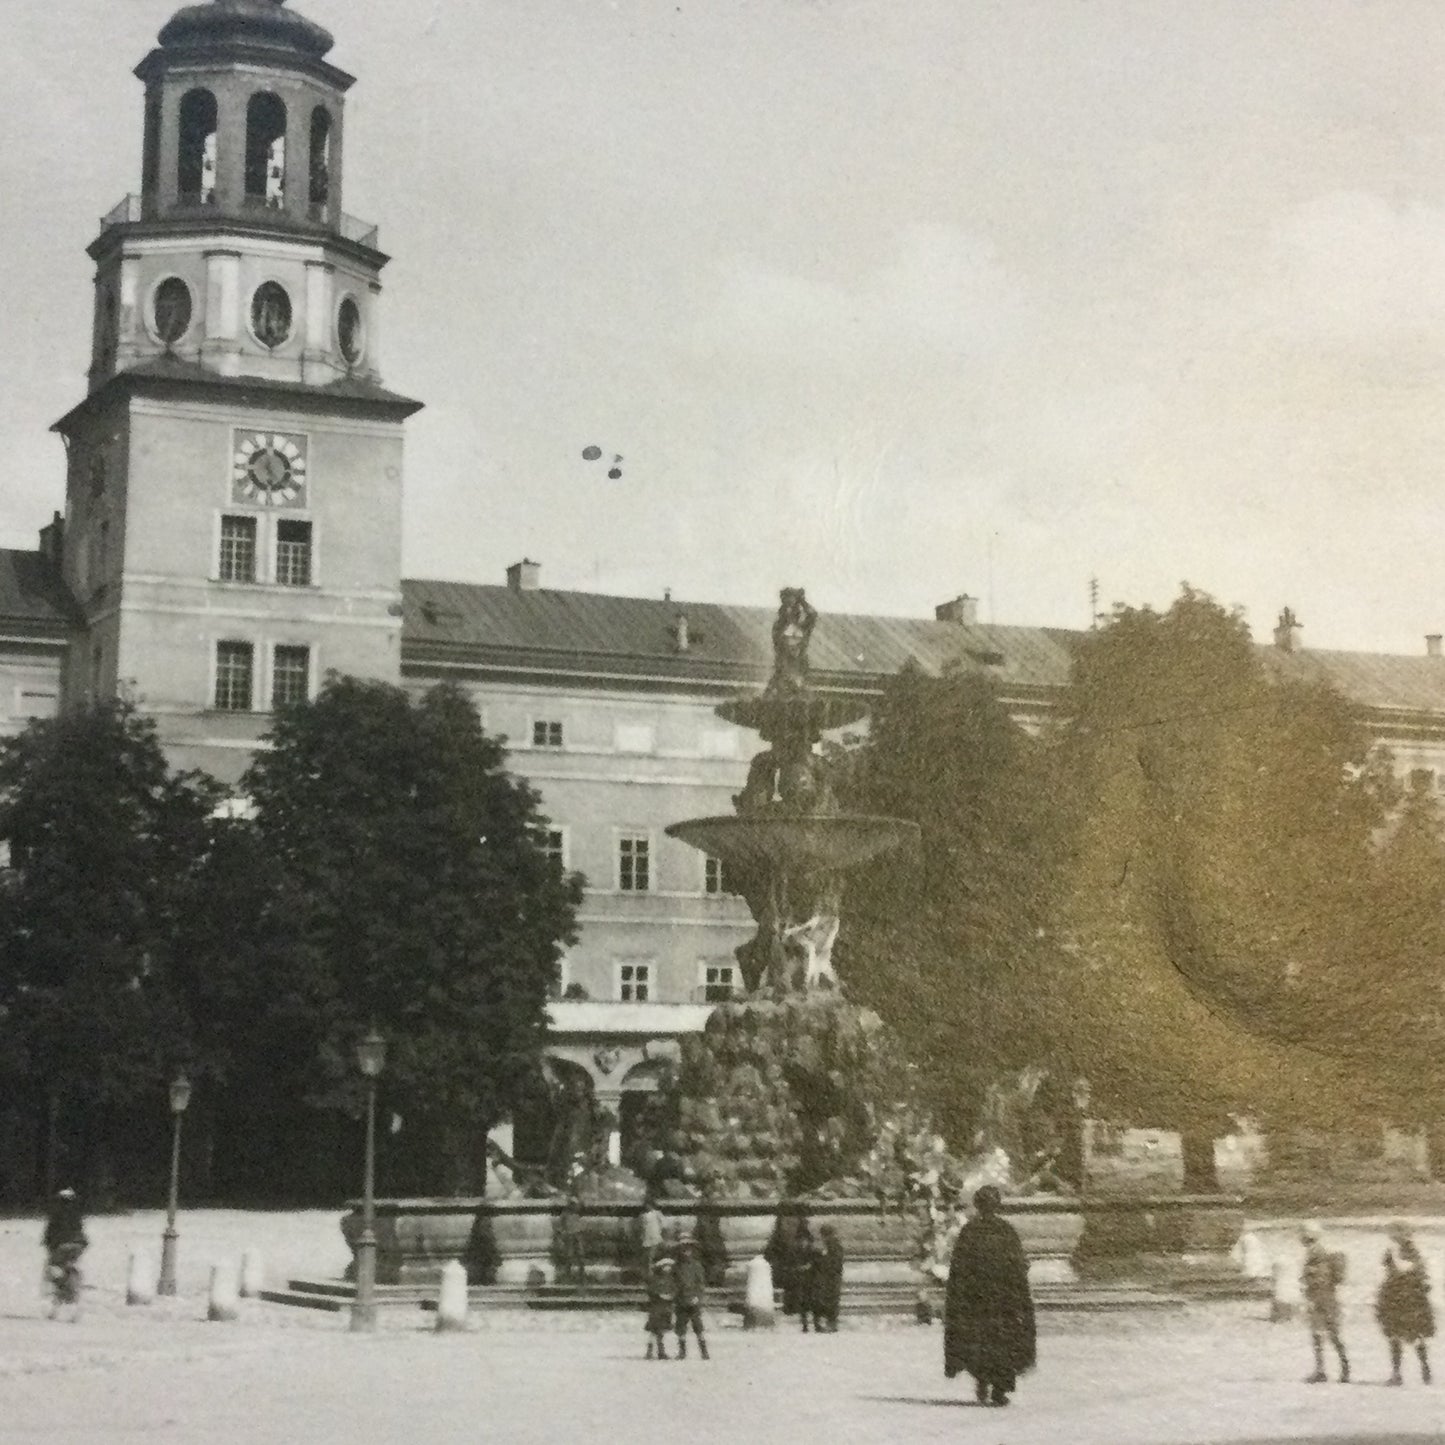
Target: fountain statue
(788, 844)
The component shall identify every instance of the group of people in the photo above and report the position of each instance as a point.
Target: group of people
(808, 1269)
(1402, 1303)
(676, 1292)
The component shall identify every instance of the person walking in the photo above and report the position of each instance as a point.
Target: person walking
(1320, 1280)
(826, 1280)
(661, 1298)
(691, 1292)
(649, 1233)
(1403, 1303)
(805, 1280)
(988, 1317)
(64, 1242)
(570, 1255)
(711, 1247)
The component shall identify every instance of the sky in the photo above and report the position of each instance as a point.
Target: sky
(889, 301)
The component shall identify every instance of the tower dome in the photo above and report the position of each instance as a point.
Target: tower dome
(258, 22)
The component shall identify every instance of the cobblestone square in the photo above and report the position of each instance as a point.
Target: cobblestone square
(276, 1376)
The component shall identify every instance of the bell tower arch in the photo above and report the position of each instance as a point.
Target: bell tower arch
(233, 495)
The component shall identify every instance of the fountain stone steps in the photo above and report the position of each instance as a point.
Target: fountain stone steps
(858, 1300)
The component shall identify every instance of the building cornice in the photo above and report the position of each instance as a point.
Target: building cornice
(182, 381)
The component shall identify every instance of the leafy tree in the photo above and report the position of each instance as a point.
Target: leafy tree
(410, 889)
(1404, 953)
(105, 849)
(1167, 894)
(1219, 826)
(940, 940)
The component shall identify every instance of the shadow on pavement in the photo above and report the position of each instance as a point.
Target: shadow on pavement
(923, 1400)
(1428, 1437)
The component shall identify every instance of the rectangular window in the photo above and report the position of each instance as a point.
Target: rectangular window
(634, 982)
(290, 675)
(293, 554)
(555, 847)
(719, 982)
(38, 702)
(234, 666)
(634, 863)
(715, 881)
(238, 549)
(546, 734)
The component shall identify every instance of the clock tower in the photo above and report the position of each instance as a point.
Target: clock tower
(232, 528)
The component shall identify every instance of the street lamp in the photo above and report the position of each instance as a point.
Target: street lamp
(370, 1059)
(180, 1097)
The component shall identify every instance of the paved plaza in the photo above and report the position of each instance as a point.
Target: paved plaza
(276, 1376)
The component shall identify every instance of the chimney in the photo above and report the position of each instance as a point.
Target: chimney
(962, 609)
(679, 632)
(524, 576)
(1287, 632)
(1432, 644)
(52, 540)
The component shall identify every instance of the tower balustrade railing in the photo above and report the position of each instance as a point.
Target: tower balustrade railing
(135, 207)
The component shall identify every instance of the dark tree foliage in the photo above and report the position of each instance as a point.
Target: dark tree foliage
(941, 940)
(408, 888)
(1403, 953)
(1218, 826)
(1178, 892)
(107, 848)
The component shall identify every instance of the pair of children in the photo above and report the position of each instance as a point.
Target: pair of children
(1402, 1305)
(675, 1294)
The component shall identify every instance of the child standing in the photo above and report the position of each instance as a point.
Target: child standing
(691, 1290)
(1320, 1282)
(661, 1293)
(1403, 1304)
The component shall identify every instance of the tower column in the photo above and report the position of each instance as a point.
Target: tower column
(231, 102)
(372, 360)
(222, 346)
(320, 278)
(169, 148)
(128, 316)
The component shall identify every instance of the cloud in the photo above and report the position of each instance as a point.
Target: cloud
(941, 294)
(1351, 270)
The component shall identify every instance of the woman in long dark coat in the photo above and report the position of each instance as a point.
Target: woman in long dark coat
(988, 1313)
(1403, 1303)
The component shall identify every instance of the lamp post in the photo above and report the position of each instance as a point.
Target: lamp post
(180, 1097)
(370, 1060)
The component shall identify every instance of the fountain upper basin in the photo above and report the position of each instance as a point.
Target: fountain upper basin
(809, 842)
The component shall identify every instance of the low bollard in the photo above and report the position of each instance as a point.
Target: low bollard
(140, 1288)
(452, 1297)
(1252, 1257)
(224, 1304)
(253, 1275)
(758, 1311)
(1285, 1299)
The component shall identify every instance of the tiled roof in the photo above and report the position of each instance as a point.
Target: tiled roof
(578, 631)
(32, 596)
(1381, 680)
(581, 632)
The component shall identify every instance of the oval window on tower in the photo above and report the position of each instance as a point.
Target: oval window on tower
(171, 310)
(350, 334)
(271, 314)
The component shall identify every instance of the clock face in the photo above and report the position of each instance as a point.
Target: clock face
(269, 469)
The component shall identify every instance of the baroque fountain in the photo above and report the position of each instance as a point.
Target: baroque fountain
(792, 1101)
